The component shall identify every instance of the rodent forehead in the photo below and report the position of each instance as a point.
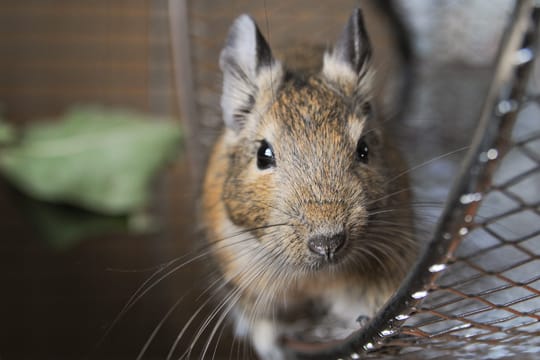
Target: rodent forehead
(307, 111)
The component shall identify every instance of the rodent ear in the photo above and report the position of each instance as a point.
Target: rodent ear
(349, 61)
(248, 70)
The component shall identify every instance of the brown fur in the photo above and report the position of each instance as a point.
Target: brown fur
(320, 182)
(259, 221)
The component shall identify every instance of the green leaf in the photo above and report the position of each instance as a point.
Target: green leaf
(7, 133)
(62, 227)
(101, 160)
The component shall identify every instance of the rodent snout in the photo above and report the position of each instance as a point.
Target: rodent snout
(327, 245)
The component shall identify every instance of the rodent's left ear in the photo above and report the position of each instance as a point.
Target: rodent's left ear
(349, 61)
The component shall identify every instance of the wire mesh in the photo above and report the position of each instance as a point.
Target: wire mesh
(486, 303)
(476, 290)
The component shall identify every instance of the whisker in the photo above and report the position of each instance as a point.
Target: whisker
(188, 323)
(130, 301)
(209, 251)
(387, 196)
(231, 298)
(450, 153)
(220, 335)
(183, 330)
(162, 273)
(242, 252)
(367, 251)
(157, 328)
(394, 236)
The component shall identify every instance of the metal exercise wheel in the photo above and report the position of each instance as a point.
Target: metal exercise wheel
(475, 290)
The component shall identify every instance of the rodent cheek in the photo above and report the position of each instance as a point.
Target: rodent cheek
(248, 200)
(373, 186)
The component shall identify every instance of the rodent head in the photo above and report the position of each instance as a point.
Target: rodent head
(307, 164)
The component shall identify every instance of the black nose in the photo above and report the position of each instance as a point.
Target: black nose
(326, 245)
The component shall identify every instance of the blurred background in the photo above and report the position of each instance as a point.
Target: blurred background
(69, 265)
(66, 271)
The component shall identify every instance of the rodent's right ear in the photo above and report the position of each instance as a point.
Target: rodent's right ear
(249, 70)
(348, 64)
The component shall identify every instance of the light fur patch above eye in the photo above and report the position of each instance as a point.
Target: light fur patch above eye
(356, 127)
(268, 129)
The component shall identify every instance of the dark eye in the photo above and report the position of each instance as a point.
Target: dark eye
(265, 156)
(367, 109)
(362, 151)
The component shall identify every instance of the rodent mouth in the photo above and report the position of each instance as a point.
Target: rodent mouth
(337, 257)
(333, 258)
